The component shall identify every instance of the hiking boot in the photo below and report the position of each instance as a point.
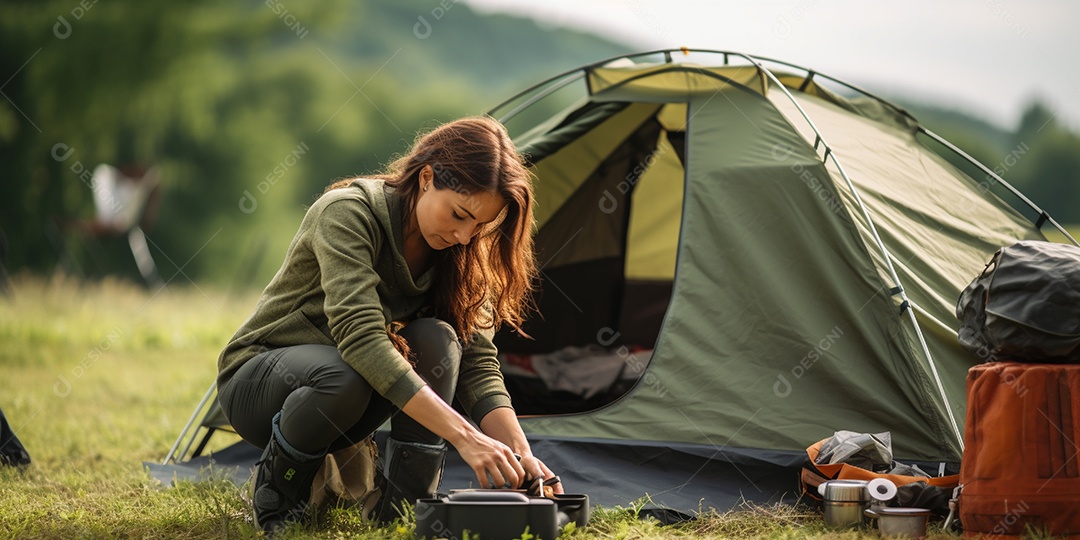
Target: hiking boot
(282, 487)
(413, 472)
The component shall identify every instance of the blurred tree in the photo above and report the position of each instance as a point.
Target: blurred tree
(1055, 176)
(1035, 118)
(1046, 163)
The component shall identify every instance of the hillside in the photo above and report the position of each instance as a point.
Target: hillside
(493, 55)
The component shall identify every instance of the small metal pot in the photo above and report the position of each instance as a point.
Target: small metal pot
(900, 522)
(845, 501)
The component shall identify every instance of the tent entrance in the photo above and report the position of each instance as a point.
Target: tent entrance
(607, 249)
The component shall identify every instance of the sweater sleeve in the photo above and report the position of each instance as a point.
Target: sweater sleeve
(343, 242)
(480, 382)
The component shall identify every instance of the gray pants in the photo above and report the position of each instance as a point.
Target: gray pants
(324, 403)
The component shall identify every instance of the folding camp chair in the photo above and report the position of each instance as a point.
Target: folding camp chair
(125, 202)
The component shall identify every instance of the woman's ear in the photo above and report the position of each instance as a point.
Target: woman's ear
(427, 176)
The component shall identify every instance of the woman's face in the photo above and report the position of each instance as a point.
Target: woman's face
(446, 217)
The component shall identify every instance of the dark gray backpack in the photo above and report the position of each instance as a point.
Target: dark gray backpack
(1025, 306)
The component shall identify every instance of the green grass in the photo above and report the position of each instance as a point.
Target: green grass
(97, 378)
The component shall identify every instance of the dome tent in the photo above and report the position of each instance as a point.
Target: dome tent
(788, 246)
(791, 255)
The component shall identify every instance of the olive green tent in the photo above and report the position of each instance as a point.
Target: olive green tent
(789, 247)
(793, 258)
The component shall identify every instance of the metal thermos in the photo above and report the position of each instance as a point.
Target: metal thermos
(845, 501)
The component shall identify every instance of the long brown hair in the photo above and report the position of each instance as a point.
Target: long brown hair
(487, 282)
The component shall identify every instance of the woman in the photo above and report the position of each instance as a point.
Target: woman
(385, 306)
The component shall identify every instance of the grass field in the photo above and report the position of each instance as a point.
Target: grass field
(97, 378)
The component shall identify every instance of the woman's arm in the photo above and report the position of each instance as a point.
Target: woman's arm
(502, 425)
(482, 392)
(487, 457)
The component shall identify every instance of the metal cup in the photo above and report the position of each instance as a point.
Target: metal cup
(901, 522)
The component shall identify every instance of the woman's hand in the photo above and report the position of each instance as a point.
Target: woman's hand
(493, 462)
(502, 424)
(490, 451)
(534, 468)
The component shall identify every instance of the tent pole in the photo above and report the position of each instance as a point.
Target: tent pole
(881, 246)
(931, 318)
(541, 95)
(581, 69)
(172, 451)
(755, 60)
(202, 443)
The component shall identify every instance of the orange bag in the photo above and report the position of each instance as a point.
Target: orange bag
(814, 474)
(1021, 463)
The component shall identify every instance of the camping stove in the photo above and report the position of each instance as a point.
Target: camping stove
(499, 513)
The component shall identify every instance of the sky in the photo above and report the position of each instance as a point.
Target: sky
(990, 58)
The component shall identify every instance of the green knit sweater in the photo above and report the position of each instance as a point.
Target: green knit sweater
(343, 280)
